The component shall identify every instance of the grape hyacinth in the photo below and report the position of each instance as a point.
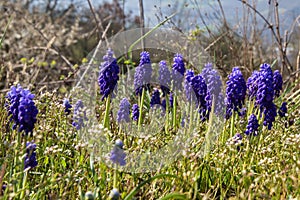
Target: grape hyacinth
(143, 72)
(214, 86)
(22, 109)
(79, 115)
(135, 112)
(155, 98)
(252, 126)
(108, 75)
(252, 84)
(124, 111)
(235, 91)
(30, 158)
(277, 83)
(164, 103)
(117, 155)
(188, 85)
(164, 77)
(178, 70)
(265, 95)
(283, 110)
(67, 106)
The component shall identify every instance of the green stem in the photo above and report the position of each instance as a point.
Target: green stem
(106, 115)
(174, 111)
(141, 109)
(115, 176)
(232, 124)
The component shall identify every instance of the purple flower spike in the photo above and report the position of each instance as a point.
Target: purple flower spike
(124, 111)
(143, 72)
(235, 91)
(252, 126)
(277, 83)
(109, 74)
(135, 112)
(117, 155)
(30, 158)
(155, 99)
(252, 84)
(164, 77)
(178, 70)
(22, 109)
(79, 116)
(67, 106)
(283, 110)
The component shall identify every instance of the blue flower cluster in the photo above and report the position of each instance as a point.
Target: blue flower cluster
(252, 126)
(277, 83)
(124, 111)
(235, 92)
(67, 106)
(283, 110)
(117, 155)
(214, 86)
(135, 112)
(143, 72)
(155, 98)
(178, 70)
(164, 77)
(79, 116)
(252, 84)
(22, 109)
(108, 75)
(30, 157)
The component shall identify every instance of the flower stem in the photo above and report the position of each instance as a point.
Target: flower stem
(106, 115)
(174, 111)
(141, 109)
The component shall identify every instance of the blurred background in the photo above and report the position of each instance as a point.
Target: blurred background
(44, 42)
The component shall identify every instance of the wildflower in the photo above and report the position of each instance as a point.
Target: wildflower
(155, 98)
(4, 186)
(214, 87)
(143, 72)
(265, 95)
(283, 110)
(117, 155)
(277, 82)
(164, 77)
(109, 74)
(114, 194)
(178, 70)
(188, 85)
(79, 115)
(22, 109)
(30, 158)
(235, 91)
(67, 106)
(164, 103)
(252, 84)
(252, 126)
(124, 111)
(135, 112)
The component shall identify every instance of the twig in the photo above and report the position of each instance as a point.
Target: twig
(142, 22)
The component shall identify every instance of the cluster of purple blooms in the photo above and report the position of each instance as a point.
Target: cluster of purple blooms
(79, 116)
(108, 75)
(123, 114)
(143, 72)
(30, 158)
(21, 109)
(117, 155)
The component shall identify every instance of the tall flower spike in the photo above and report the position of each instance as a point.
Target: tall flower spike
(283, 110)
(155, 98)
(178, 70)
(164, 77)
(135, 112)
(142, 75)
(22, 109)
(117, 155)
(67, 106)
(252, 84)
(188, 85)
(235, 91)
(124, 111)
(277, 83)
(79, 116)
(252, 126)
(30, 158)
(214, 86)
(108, 75)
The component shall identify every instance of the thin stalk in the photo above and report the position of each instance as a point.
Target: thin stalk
(141, 109)
(106, 115)
(174, 111)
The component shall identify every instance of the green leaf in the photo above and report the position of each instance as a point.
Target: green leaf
(174, 195)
